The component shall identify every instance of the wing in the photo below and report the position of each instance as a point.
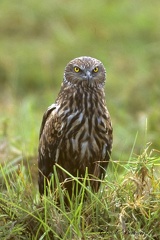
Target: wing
(105, 133)
(49, 140)
(109, 138)
(45, 116)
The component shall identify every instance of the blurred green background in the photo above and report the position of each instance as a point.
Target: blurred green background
(38, 38)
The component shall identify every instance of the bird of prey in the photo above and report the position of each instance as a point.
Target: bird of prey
(76, 130)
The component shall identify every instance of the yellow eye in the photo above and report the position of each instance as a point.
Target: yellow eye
(95, 69)
(76, 69)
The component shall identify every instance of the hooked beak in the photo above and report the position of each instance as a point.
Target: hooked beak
(88, 75)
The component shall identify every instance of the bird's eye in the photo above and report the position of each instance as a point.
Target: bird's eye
(76, 69)
(95, 69)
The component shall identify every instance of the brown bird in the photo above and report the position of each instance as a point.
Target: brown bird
(76, 131)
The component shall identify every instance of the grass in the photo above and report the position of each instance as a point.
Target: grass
(126, 207)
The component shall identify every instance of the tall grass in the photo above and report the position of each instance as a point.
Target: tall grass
(37, 39)
(127, 205)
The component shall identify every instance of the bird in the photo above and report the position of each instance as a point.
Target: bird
(76, 131)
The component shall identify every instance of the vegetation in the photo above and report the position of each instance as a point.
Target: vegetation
(126, 207)
(37, 39)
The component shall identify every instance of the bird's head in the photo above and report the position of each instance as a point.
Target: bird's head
(85, 71)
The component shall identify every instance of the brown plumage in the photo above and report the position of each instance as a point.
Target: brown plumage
(76, 131)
